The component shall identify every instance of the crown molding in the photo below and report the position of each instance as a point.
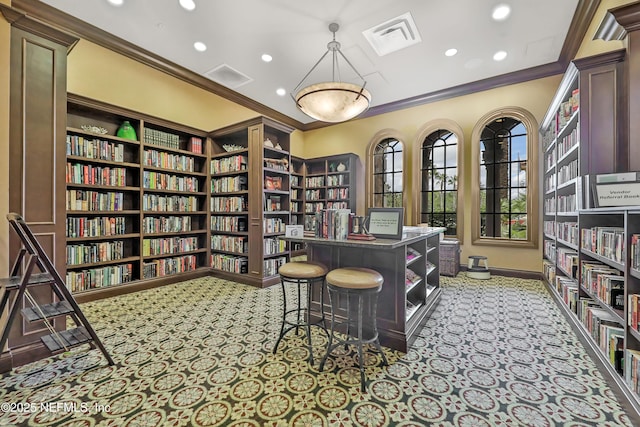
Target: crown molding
(68, 24)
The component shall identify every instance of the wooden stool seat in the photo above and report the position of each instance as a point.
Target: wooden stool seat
(302, 270)
(304, 275)
(357, 289)
(355, 278)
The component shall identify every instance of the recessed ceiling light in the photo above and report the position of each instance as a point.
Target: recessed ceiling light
(499, 55)
(266, 57)
(116, 2)
(281, 92)
(501, 12)
(199, 46)
(451, 52)
(187, 4)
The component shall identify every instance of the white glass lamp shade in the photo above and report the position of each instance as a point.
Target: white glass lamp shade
(333, 102)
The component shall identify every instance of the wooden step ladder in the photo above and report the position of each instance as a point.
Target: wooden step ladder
(23, 276)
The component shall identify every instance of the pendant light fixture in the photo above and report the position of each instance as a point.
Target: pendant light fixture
(333, 101)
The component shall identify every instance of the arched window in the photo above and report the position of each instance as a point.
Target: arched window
(505, 191)
(439, 181)
(387, 180)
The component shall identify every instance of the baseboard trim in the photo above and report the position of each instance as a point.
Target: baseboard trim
(519, 274)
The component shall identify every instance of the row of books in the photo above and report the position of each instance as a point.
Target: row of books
(567, 203)
(162, 159)
(568, 172)
(313, 207)
(230, 263)
(333, 223)
(567, 259)
(77, 173)
(228, 204)
(605, 331)
(568, 290)
(605, 241)
(337, 205)
(161, 138)
(274, 245)
(632, 370)
(634, 248)
(272, 265)
(94, 148)
(88, 200)
(195, 145)
(168, 245)
(273, 203)
(166, 224)
(169, 266)
(549, 270)
(237, 163)
(567, 109)
(314, 181)
(229, 184)
(604, 282)
(95, 227)
(568, 231)
(232, 224)
(238, 244)
(273, 225)
(633, 315)
(340, 179)
(95, 252)
(337, 193)
(549, 228)
(165, 203)
(568, 142)
(163, 181)
(93, 278)
(314, 195)
(549, 250)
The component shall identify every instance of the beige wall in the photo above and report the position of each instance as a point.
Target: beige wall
(356, 135)
(5, 33)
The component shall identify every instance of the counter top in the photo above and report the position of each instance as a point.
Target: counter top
(410, 235)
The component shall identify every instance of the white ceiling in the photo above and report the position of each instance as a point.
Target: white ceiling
(295, 33)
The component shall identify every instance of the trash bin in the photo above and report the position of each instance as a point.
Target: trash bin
(449, 257)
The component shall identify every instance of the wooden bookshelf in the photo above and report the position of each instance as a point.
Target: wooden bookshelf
(135, 207)
(253, 215)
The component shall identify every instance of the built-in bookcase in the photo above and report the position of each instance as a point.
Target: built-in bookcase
(329, 183)
(135, 206)
(586, 255)
(250, 200)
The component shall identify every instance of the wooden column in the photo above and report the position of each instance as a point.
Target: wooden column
(37, 157)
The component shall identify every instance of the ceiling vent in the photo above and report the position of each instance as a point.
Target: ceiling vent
(227, 76)
(392, 35)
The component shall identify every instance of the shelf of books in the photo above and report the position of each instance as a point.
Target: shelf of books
(585, 250)
(277, 204)
(174, 165)
(329, 183)
(297, 201)
(250, 200)
(229, 203)
(134, 199)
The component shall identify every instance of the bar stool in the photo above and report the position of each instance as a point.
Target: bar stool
(297, 316)
(360, 287)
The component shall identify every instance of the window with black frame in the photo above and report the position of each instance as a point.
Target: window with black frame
(388, 184)
(503, 179)
(439, 176)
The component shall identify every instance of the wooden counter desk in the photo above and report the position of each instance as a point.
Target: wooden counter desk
(410, 269)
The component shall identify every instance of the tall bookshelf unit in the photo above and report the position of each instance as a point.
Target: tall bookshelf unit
(585, 253)
(135, 207)
(264, 206)
(329, 183)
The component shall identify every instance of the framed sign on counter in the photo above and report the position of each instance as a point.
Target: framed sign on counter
(616, 189)
(385, 223)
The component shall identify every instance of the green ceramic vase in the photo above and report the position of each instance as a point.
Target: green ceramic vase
(127, 131)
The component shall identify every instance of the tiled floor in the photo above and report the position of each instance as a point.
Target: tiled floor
(494, 353)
